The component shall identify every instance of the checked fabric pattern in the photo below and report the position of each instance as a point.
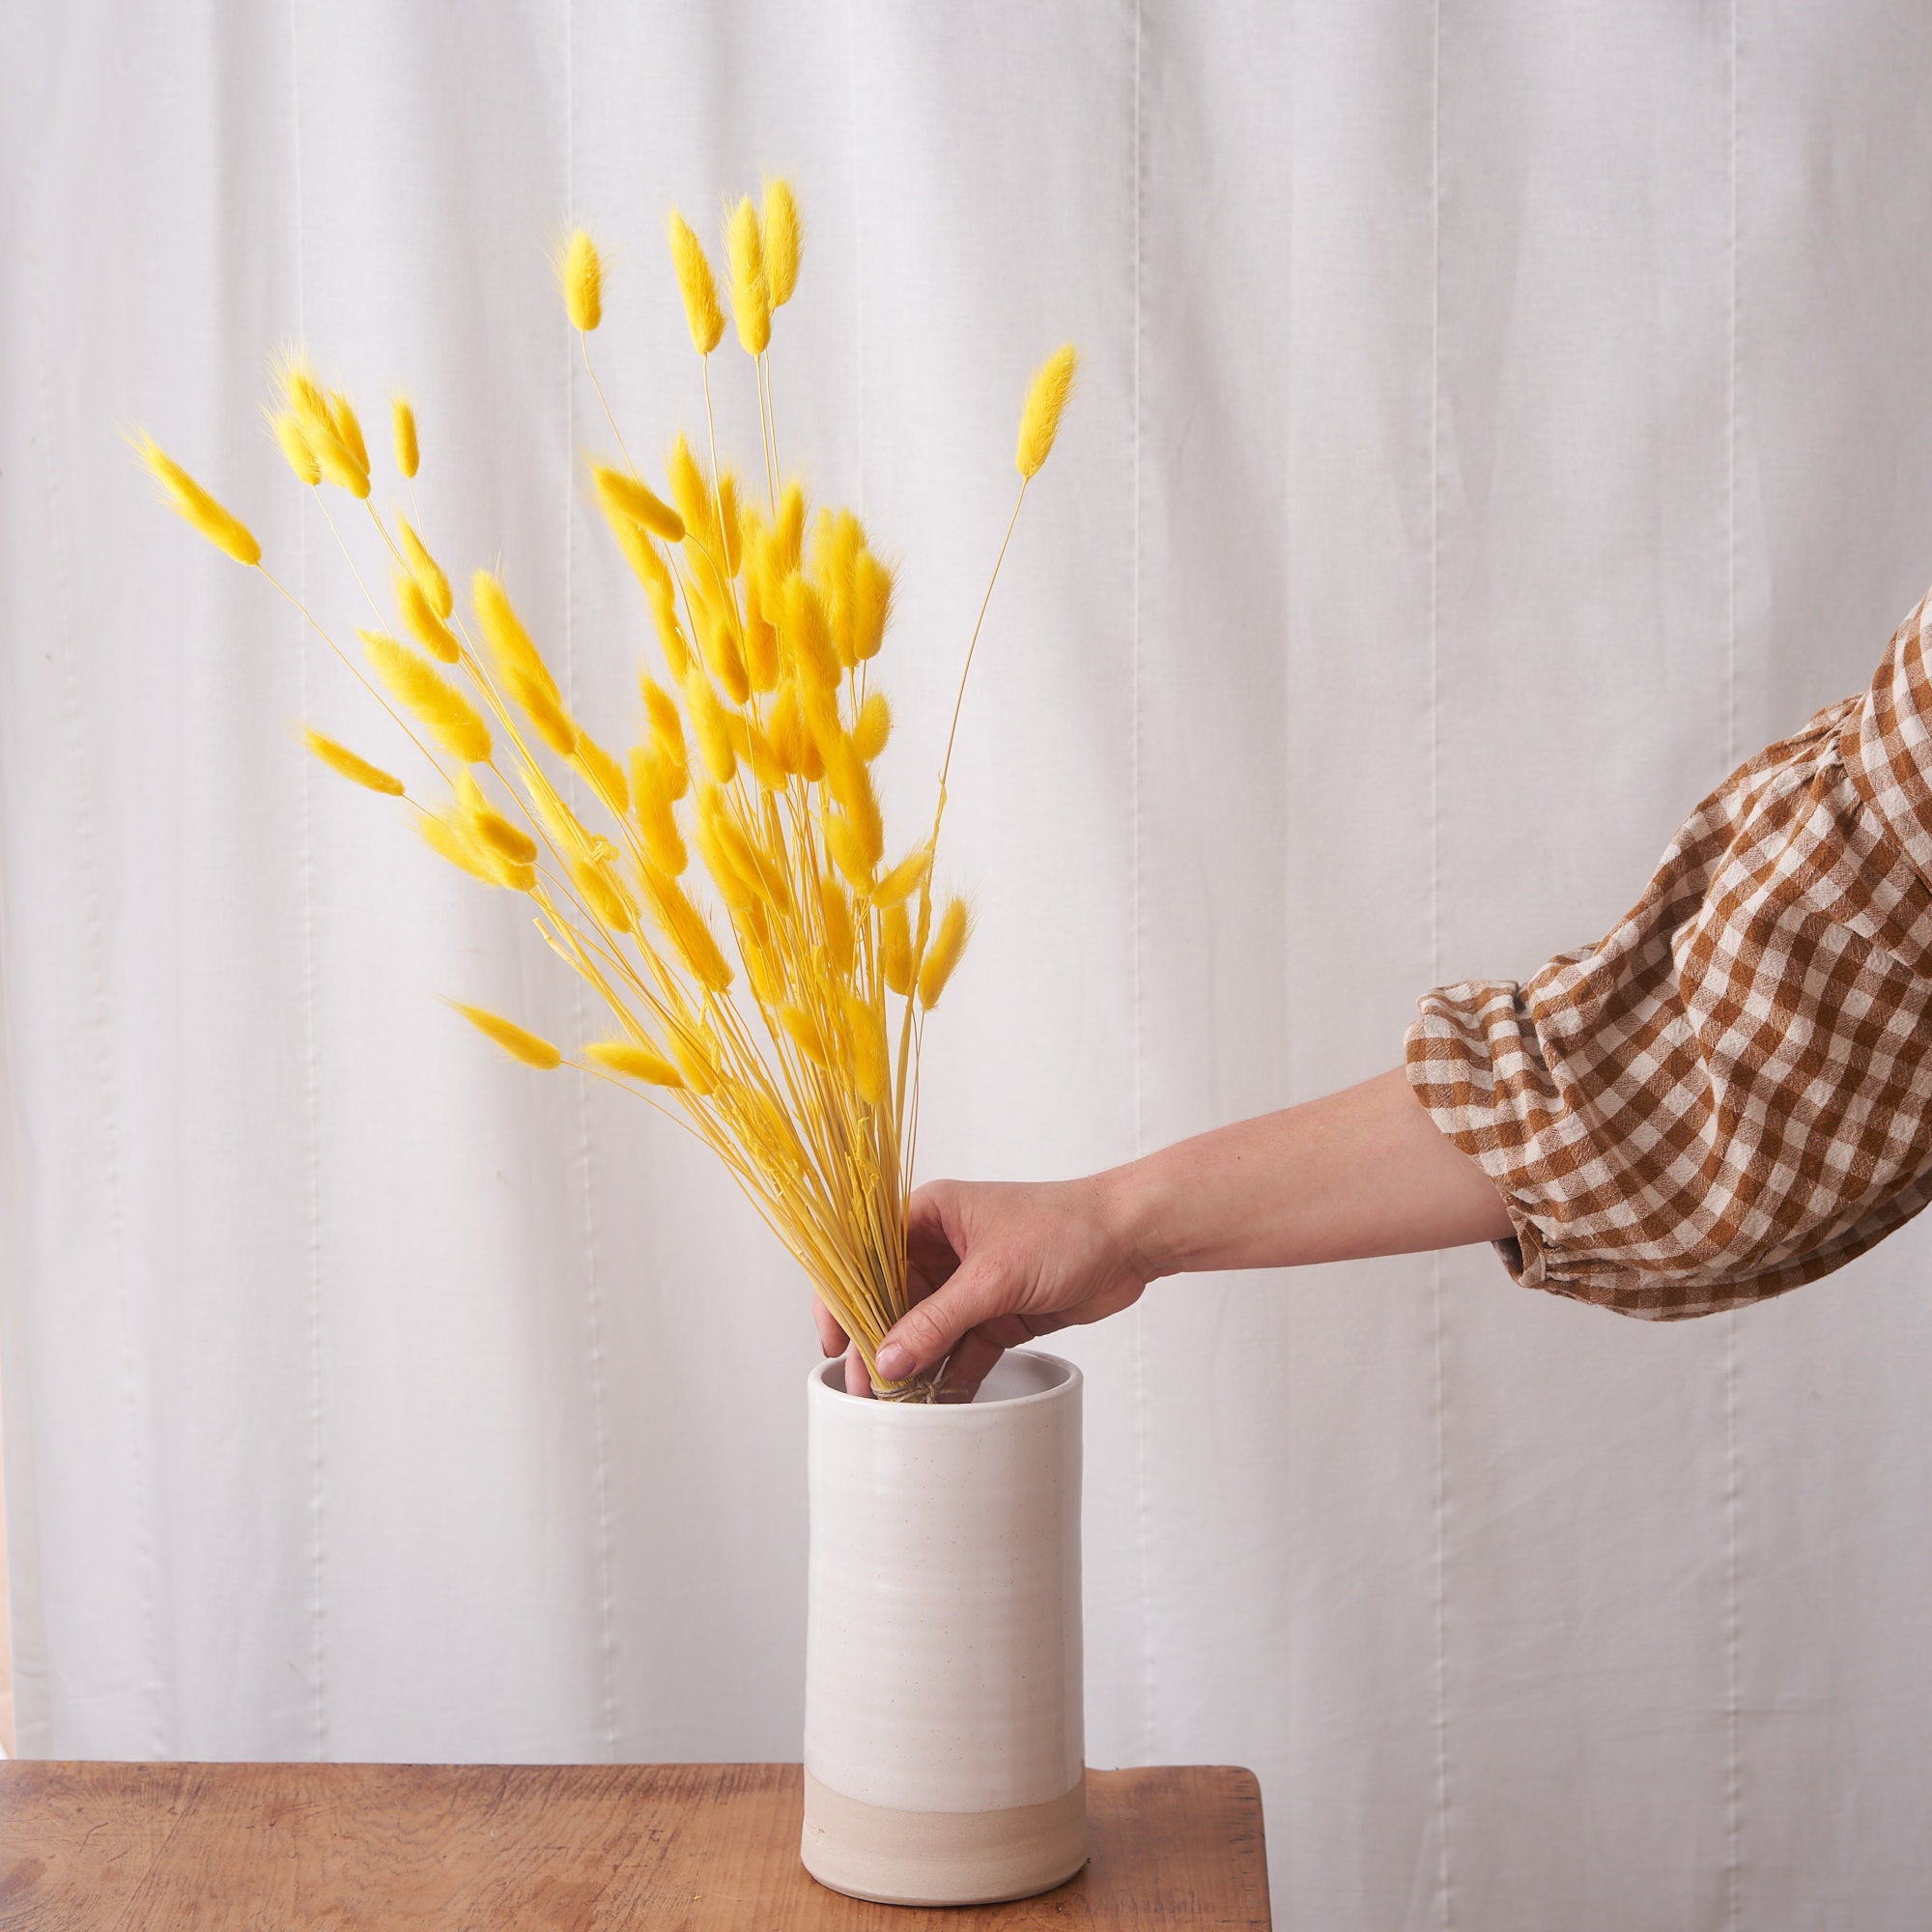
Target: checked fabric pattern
(1731, 1093)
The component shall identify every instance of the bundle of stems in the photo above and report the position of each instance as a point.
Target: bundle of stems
(754, 747)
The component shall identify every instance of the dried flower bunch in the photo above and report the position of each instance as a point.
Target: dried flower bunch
(754, 748)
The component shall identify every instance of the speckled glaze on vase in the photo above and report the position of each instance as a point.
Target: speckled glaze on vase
(944, 1750)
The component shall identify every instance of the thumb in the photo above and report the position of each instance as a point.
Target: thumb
(984, 1286)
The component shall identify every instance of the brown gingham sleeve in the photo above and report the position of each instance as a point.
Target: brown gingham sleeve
(1731, 1093)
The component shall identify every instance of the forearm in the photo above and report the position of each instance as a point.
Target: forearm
(1362, 1172)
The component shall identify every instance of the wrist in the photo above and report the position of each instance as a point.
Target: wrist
(1132, 1212)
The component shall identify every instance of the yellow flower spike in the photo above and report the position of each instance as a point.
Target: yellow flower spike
(685, 927)
(895, 947)
(349, 430)
(443, 711)
(422, 623)
(693, 1060)
(942, 955)
(902, 881)
(701, 314)
(512, 842)
(517, 657)
(872, 727)
(847, 847)
(454, 843)
(751, 293)
(764, 759)
(709, 728)
(870, 1068)
(340, 759)
(737, 884)
(1046, 397)
(426, 571)
(805, 1033)
(691, 492)
(808, 636)
(633, 1062)
(579, 275)
(767, 982)
(841, 941)
(782, 234)
(722, 656)
(519, 1044)
(187, 497)
(294, 448)
(603, 772)
(403, 432)
(789, 532)
(662, 716)
(761, 643)
(629, 496)
(541, 704)
(871, 605)
(651, 798)
(607, 901)
(340, 459)
(786, 729)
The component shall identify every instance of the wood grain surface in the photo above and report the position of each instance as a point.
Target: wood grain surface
(555, 1848)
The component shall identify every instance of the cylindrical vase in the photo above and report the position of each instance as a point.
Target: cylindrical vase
(944, 1751)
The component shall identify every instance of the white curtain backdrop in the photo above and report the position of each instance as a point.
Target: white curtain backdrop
(1497, 420)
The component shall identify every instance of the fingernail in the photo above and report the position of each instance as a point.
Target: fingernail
(895, 1362)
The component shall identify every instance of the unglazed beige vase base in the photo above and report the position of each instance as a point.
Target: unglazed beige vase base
(941, 1858)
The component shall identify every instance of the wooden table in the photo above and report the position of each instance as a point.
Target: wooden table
(555, 1848)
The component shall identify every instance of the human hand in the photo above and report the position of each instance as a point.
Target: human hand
(990, 1265)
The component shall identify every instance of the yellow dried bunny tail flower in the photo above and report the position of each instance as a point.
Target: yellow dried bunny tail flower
(426, 571)
(517, 1041)
(421, 620)
(701, 314)
(225, 531)
(687, 929)
(942, 955)
(708, 725)
(349, 430)
(633, 1062)
(870, 1068)
(871, 605)
(902, 881)
(751, 293)
(579, 275)
(895, 947)
(517, 657)
(872, 727)
(782, 234)
(626, 496)
(441, 710)
(403, 432)
(294, 448)
(605, 773)
(1040, 420)
(340, 759)
(327, 424)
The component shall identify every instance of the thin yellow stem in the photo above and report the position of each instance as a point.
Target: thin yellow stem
(584, 338)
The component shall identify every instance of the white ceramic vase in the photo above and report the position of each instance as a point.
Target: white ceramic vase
(943, 1753)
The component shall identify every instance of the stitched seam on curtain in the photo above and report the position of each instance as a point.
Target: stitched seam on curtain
(1733, 1464)
(311, 1071)
(1138, 176)
(97, 952)
(1439, 1309)
(593, 1307)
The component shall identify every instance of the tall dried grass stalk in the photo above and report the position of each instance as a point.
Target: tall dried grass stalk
(752, 752)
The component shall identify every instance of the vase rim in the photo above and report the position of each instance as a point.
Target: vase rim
(1065, 1383)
